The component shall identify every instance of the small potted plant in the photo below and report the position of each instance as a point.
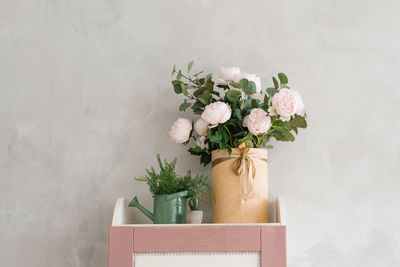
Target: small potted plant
(198, 188)
(194, 216)
(170, 192)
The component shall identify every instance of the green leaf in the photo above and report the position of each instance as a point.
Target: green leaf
(265, 105)
(297, 121)
(284, 86)
(185, 105)
(252, 88)
(177, 86)
(235, 85)
(276, 84)
(264, 139)
(214, 138)
(283, 135)
(241, 133)
(249, 143)
(283, 78)
(199, 91)
(208, 78)
(266, 100)
(248, 136)
(271, 91)
(198, 107)
(203, 100)
(209, 85)
(225, 136)
(290, 137)
(254, 103)
(301, 121)
(249, 87)
(205, 158)
(233, 95)
(244, 82)
(173, 71)
(197, 151)
(279, 137)
(247, 103)
(184, 89)
(205, 97)
(189, 66)
(215, 93)
(238, 113)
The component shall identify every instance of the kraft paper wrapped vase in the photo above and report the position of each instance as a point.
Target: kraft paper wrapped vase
(240, 185)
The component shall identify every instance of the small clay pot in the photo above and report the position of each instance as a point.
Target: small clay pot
(194, 216)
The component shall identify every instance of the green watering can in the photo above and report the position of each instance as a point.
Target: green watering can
(167, 209)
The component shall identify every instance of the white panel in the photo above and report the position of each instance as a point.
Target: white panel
(231, 259)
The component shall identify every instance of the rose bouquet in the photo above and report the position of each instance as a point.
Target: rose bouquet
(235, 110)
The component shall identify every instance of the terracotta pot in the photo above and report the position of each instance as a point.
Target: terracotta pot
(194, 216)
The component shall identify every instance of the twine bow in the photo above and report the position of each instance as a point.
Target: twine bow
(243, 162)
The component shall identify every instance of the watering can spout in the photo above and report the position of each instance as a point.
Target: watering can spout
(135, 203)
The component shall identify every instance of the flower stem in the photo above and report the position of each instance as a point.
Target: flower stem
(229, 133)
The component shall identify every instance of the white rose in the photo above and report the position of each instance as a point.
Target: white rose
(250, 77)
(217, 112)
(201, 127)
(180, 130)
(226, 75)
(300, 105)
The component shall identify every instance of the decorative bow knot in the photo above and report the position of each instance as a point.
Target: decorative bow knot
(241, 165)
(244, 162)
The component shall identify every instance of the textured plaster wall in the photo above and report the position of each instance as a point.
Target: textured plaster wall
(86, 103)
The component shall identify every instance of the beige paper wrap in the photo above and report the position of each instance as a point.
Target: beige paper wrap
(240, 185)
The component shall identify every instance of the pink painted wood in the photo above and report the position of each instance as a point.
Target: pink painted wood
(270, 240)
(273, 246)
(197, 238)
(120, 246)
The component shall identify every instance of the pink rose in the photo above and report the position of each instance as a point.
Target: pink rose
(284, 103)
(180, 130)
(226, 75)
(258, 122)
(201, 127)
(217, 112)
(250, 77)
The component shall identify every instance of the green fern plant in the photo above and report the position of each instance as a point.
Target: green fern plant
(167, 181)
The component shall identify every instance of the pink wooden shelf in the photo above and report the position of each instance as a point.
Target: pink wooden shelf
(268, 239)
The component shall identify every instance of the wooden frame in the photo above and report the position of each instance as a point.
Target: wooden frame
(269, 239)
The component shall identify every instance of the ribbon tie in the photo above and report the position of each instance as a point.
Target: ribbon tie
(243, 162)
